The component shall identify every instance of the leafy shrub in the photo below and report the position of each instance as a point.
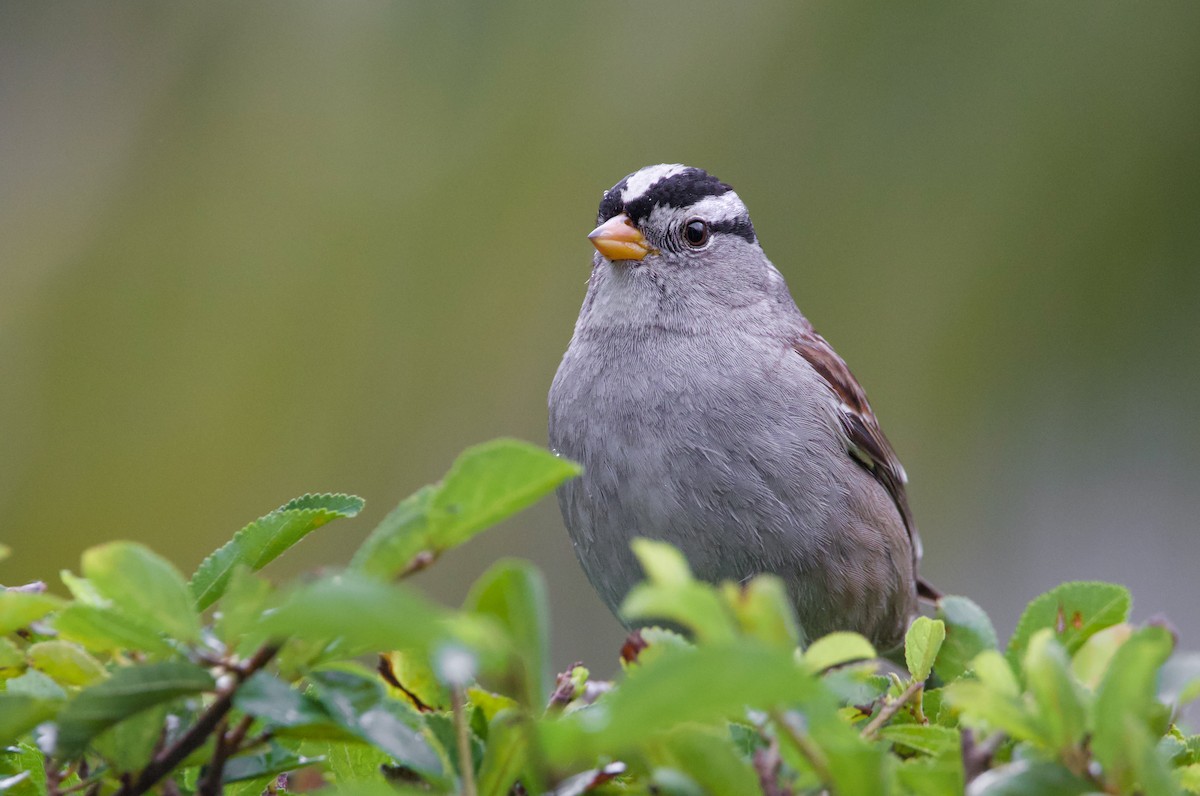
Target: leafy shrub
(146, 681)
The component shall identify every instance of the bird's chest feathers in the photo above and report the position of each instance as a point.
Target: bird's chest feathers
(641, 389)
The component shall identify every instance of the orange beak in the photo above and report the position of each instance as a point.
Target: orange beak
(619, 239)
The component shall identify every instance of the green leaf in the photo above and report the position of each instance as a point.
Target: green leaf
(763, 610)
(664, 781)
(271, 762)
(859, 683)
(1180, 680)
(418, 681)
(506, 755)
(969, 632)
(245, 599)
(1188, 777)
(1028, 778)
(514, 593)
(358, 705)
(491, 482)
(854, 765)
(81, 589)
(927, 776)
(1150, 770)
(127, 691)
(35, 684)
(1075, 611)
(993, 701)
(67, 663)
(708, 757)
(441, 728)
(1174, 747)
(701, 684)
(129, 744)
(350, 763)
(274, 701)
(365, 614)
(929, 739)
(252, 787)
(1126, 706)
(12, 660)
(485, 485)
(402, 535)
(836, 649)
(490, 705)
(993, 670)
(663, 563)
(1059, 698)
(106, 630)
(265, 539)
(670, 594)
(19, 608)
(921, 645)
(20, 713)
(23, 771)
(368, 788)
(1091, 661)
(143, 585)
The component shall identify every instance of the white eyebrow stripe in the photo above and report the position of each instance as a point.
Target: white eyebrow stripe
(640, 181)
(725, 207)
(713, 209)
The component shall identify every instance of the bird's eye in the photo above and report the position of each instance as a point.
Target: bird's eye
(695, 232)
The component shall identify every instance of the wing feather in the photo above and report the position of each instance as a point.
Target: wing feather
(865, 440)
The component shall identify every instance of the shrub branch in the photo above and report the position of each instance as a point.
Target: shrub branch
(194, 738)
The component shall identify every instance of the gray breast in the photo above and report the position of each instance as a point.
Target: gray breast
(683, 440)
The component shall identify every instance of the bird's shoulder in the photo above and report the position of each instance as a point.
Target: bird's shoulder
(865, 441)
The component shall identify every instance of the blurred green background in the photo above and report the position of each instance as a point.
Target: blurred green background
(249, 250)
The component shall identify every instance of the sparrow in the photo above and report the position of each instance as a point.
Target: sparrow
(708, 413)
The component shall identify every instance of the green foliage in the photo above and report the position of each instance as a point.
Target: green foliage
(968, 633)
(1075, 611)
(265, 539)
(132, 683)
(922, 644)
(140, 584)
(130, 690)
(485, 485)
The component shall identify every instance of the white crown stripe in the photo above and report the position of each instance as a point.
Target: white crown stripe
(641, 181)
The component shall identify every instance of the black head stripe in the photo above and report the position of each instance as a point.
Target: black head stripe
(740, 226)
(678, 190)
(611, 204)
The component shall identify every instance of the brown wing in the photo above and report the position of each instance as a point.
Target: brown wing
(865, 439)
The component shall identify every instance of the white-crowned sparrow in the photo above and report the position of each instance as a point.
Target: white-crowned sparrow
(708, 413)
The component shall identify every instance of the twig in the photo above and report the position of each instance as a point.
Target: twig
(891, 709)
(78, 786)
(195, 737)
(466, 763)
(239, 732)
(227, 745)
(812, 753)
(768, 764)
(53, 776)
(210, 783)
(420, 561)
(977, 757)
(564, 688)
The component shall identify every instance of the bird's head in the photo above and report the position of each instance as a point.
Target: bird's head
(674, 245)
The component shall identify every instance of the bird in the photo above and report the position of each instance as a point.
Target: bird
(707, 412)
